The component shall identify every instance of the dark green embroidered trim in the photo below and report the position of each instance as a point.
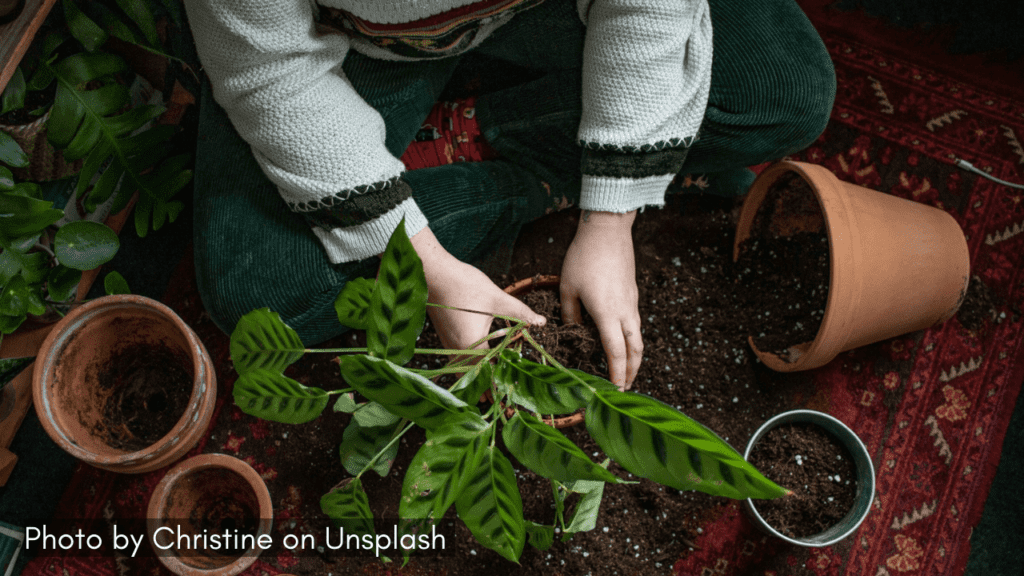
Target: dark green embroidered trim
(355, 207)
(656, 147)
(632, 165)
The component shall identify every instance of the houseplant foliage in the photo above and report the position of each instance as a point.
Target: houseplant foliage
(33, 273)
(93, 117)
(460, 464)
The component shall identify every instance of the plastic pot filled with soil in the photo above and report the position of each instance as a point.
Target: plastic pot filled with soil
(825, 465)
(576, 346)
(840, 266)
(210, 515)
(123, 384)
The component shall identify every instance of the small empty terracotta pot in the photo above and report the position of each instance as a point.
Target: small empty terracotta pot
(896, 266)
(524, 286)
(210, 515)
(123, 384)
(865, 476)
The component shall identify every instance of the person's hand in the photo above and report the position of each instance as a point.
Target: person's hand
(599, 271)
(452, 282)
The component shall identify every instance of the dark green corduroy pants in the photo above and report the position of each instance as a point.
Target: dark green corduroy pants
(772, 89)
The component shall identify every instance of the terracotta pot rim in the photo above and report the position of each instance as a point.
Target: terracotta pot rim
(865, 471)
(166, 449)
(155, 510)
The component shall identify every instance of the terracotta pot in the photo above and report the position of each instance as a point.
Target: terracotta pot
(896, 266)
(118, 353)
(205, 495)
(525, 286)
(862, 463)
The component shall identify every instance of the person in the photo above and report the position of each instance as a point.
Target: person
(298, 183)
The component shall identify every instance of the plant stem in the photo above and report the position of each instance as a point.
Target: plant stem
(344, 391)
(510, 319)
(544, 353)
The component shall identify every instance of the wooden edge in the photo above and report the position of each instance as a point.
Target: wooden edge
(16, 36)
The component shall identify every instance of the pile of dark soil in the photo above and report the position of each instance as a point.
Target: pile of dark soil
(150, 389)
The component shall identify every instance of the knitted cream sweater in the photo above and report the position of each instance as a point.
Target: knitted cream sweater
(646, 75)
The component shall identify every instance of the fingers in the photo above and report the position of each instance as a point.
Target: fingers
(634, 351)
(572, 312)
(514, 307)
(615, 350)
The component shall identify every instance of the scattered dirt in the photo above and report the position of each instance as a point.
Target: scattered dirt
(696, 359)
(573, 345)
(816, 467)
(150, 389)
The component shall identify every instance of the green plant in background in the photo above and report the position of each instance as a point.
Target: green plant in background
(36, 275)
(92, 118)
(460, 464)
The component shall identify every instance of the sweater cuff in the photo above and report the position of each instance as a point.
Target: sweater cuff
(620, 195)
(368, 239)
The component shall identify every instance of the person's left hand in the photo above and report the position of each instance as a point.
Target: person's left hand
(599, 271)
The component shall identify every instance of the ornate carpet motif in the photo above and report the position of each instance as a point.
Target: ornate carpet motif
(932, 407)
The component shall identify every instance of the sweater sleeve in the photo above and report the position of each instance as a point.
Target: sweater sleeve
(646, 78)
(283, 88)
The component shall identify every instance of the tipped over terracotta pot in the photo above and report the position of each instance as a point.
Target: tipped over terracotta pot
(896, 266)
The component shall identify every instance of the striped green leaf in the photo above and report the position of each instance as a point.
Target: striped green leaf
(548, 452)
(261, 340)
(474, 383)
(372, 414)
(353, 304)
(405, 393)
(347, 506)
(540, 388)
(541, 536)
(276, 397)
(439, 471)
(361, 443)
(398, 304)
(584, 517)
(654, 440)
(491, 506)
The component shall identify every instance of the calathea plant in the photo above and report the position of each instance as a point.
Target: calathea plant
(461, 463)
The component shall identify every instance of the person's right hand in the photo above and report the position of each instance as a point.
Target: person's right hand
(452, 282)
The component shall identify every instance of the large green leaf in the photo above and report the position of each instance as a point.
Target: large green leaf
(273, 396)
(13, 96)
(6, 179)
(491, 506)
(360, 444)
(439, 471)
(84, 245)
(655, 441)
(90, 34)
(405, 393)
(262, 340)
(21, 215)
(114, 283)
(11, 367)
(584, 517)
(540, 388)
(398, 305)
(139, 13)
(548, 452)
(541, 536)
(474, 383)
(61, 282)
(353, 304)
(18, 298)
(372, 414)
(10, 153)
(347, 506)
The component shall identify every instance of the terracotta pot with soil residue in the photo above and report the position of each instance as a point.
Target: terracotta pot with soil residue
(895, 266)
(123, 384)
(207, 495)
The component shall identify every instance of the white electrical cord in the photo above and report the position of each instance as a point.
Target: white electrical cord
(970, 167)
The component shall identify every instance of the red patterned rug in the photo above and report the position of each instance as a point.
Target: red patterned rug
(932, 407)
